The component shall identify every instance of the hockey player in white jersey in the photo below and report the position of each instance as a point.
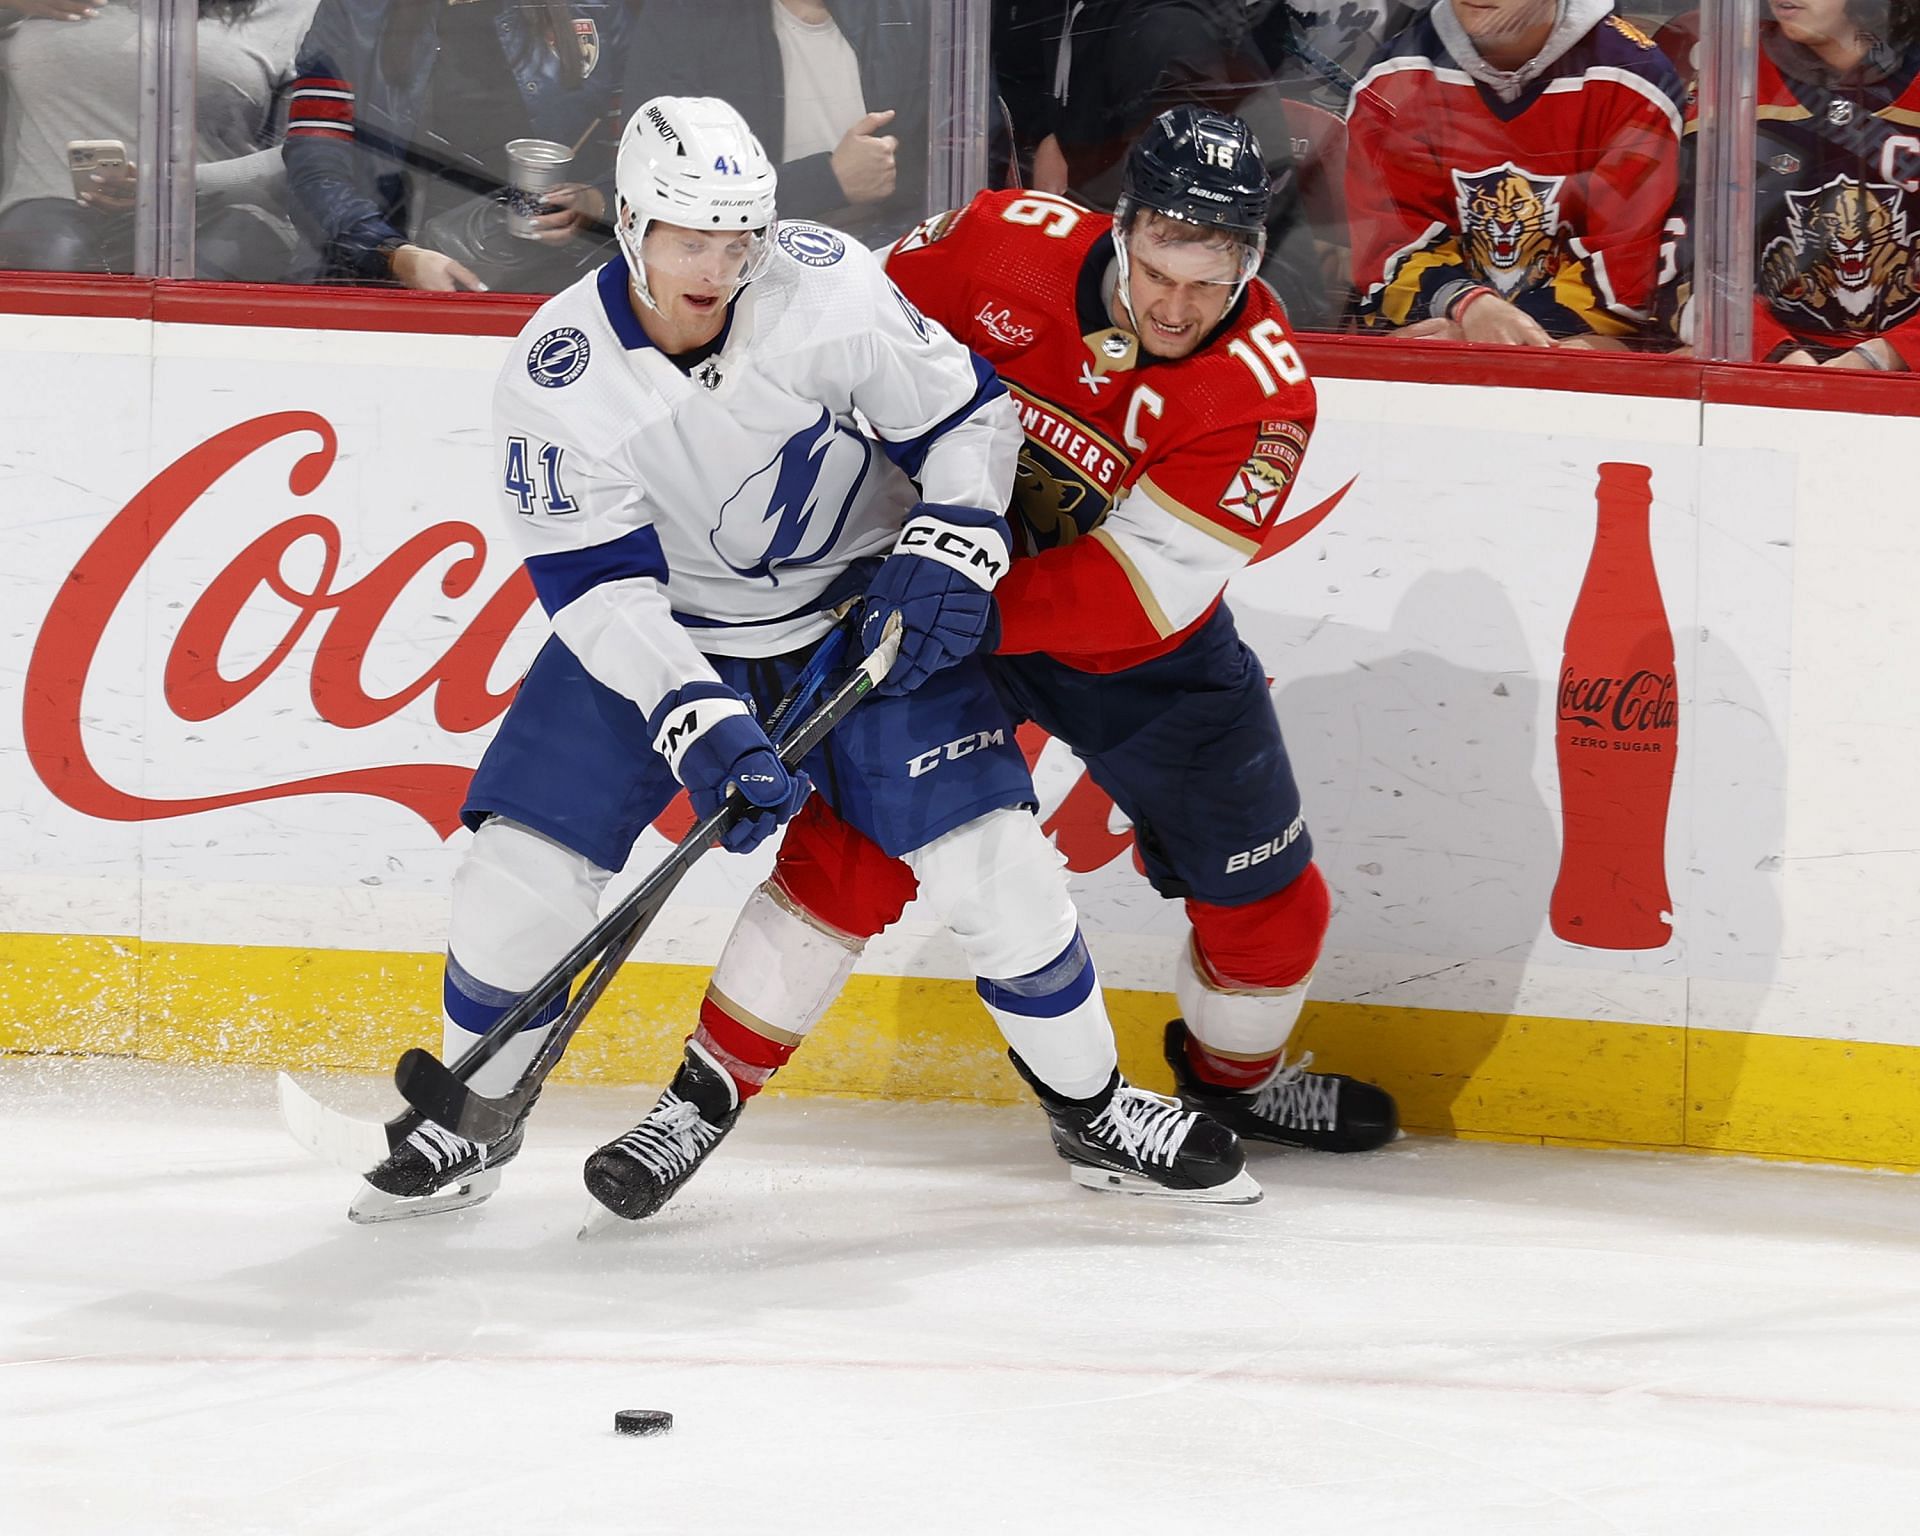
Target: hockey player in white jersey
(705, 449)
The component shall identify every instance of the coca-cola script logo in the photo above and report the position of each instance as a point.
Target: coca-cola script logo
(349, 617)
(1641, 701)
(194, 688)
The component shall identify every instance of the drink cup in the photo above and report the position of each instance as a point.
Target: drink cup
(534, 168)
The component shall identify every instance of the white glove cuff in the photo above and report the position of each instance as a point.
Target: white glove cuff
(688, 722)
(979, 554)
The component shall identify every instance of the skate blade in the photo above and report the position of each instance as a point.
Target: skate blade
(1239, 1190)
(600, 1224)
(372, 1205)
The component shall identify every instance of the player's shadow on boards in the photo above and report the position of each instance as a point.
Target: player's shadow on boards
(1417, 773)
(1430, 787)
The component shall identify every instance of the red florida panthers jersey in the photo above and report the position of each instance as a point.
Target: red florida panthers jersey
(1143, 484)
(1836, 201)
(1556, 200)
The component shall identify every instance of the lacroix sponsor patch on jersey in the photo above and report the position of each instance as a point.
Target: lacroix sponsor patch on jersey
(999, 322)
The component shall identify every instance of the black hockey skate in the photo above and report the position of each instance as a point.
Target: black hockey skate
(636, 1175)
(1322, 1111)
(434, 1170)
(1140, 1143)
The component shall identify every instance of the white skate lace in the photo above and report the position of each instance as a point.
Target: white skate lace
(1144, 1126)
(671, 1139)
(439, 1145)
(1299, 1099)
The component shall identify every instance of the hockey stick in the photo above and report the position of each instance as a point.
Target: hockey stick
(356, 1145)
(440, 1092)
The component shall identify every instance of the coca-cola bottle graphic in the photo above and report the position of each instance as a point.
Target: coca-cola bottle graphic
(1617, 733)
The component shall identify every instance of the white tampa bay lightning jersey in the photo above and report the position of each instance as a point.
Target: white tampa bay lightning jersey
(661, 515)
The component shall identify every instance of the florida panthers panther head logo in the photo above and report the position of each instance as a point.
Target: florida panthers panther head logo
(1508, 224)
(1843, 259)
(1047, 502)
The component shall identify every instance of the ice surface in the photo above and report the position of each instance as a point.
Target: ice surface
(904, 1318)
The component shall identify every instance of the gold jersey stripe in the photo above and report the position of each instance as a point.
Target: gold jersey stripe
(1186, 514)
(1149, 604)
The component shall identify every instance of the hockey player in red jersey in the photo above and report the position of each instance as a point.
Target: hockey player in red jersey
(1511, 167)
(1166, 412)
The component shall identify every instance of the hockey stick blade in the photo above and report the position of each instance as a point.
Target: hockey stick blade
(350, 1144)
(441, 1094)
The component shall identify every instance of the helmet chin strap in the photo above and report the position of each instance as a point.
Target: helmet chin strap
(1122, 274)
(1116, 287)
(630, 243)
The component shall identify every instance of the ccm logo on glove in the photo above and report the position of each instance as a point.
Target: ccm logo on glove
(979, 554)
(683, 726)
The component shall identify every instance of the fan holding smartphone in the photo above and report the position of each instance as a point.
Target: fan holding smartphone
(71, 154)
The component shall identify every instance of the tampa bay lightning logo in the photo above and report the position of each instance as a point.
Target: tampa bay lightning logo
(559, 357)
(810, 244)
(791, 510)
(914, 318)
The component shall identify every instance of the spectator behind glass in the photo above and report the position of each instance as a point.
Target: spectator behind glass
(1836, 177)
(72, 74)
(1083, 78)
(1511, 168)
(396, 144)
(836, 92)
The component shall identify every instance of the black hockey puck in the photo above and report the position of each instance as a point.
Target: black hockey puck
(643, 1421)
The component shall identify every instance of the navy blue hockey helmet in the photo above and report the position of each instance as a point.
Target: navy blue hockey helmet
(1201, 167)
(1204, 169)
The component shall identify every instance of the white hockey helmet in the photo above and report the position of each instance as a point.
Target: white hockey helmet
(692, 161)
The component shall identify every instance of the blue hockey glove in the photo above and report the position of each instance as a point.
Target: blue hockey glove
(940, 577)
(711, 740)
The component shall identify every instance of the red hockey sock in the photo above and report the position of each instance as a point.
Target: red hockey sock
(749, 1056)
(1237, 1072)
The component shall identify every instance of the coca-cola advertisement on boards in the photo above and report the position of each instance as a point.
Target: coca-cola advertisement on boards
(1616, 735)
(342, 627)
(259, 638)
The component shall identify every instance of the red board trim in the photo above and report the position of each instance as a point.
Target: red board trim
(1336, 357)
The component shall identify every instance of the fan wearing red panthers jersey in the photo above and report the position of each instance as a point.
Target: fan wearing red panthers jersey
(1836, 189)
(1166, 412)
(1511, 168)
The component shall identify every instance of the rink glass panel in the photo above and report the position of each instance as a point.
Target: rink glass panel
(1781, 185)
